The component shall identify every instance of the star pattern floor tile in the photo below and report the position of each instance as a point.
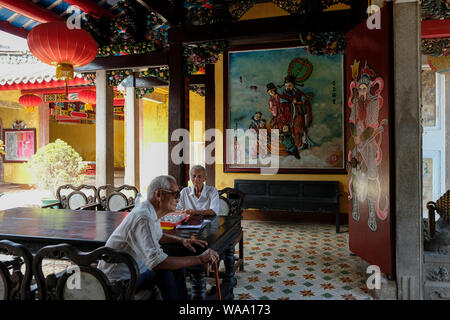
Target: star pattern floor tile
(288, 261)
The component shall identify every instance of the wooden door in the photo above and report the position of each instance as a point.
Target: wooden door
(368, 81)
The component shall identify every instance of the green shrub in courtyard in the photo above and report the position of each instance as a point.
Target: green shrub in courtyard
(56, 164)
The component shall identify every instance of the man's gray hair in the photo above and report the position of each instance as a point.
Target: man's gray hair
(195, 168)
(160, 182)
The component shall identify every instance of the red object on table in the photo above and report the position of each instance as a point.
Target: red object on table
(171, 225)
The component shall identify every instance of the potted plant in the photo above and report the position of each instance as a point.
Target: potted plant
(54, 165)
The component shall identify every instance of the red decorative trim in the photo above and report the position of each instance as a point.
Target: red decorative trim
(435, 29)
(44, 84)
(9, 28)
(79, 114)
(58, 90)
(119, 102)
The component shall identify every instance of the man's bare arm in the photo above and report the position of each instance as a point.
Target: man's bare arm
(173, 263)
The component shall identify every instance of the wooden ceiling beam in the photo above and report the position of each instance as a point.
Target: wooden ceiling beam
(164, 9)
(148, 82)
(436, 29)
(135, 61)
(266, 29)
(197, 79)
(91, 8)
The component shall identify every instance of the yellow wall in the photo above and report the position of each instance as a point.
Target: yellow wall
(82, 138)
(196, 115)
(156, 119)
(10, 111)
(154, 144)
(269, 9)
(264, 10)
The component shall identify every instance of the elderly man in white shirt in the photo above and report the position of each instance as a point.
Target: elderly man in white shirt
(140, 235)
(199, 199)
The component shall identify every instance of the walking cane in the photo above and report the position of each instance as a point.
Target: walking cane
(216, 275)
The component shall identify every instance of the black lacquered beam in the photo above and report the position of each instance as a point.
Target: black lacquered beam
(265, 29)
(144, 60)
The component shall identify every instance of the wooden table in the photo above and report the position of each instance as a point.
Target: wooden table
(38, 227)
(88, 230)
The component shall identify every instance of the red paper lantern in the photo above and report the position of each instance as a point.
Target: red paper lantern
(55, 44)
(29, 101)
(89, 97)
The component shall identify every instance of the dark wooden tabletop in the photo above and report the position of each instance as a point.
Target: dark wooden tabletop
(37, 227)
(58, 225)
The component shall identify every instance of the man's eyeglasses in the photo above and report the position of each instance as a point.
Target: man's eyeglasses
(176, 194)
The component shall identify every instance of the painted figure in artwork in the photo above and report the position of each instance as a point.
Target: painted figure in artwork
(300, 110)
(256, 118)
(262, 136)
(287, 140)
(258, 126)
(281, 113)
(365, 154)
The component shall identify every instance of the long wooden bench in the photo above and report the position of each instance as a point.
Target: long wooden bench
(316, 196)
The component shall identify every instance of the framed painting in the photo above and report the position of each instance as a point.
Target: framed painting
(20, 144)
(285, 106)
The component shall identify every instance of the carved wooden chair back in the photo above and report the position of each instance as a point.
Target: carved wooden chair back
(442, 207)
(117, 198)
(14, 283)
(72, 197)
(231, 201)
(83, 280)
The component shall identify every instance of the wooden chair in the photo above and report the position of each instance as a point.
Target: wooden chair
(234, 200)
(83, 281)
(83, 197)
(14, 284)
(442, 207)
(231, 201)
(117, 198)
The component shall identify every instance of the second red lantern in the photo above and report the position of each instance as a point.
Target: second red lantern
(89, 97)
(30, 101)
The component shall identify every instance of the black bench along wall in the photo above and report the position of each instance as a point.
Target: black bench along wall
(291, 195)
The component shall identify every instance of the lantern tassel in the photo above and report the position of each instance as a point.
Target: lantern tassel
(66, 92)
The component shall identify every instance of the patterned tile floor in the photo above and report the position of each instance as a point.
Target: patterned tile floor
(290, 261)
